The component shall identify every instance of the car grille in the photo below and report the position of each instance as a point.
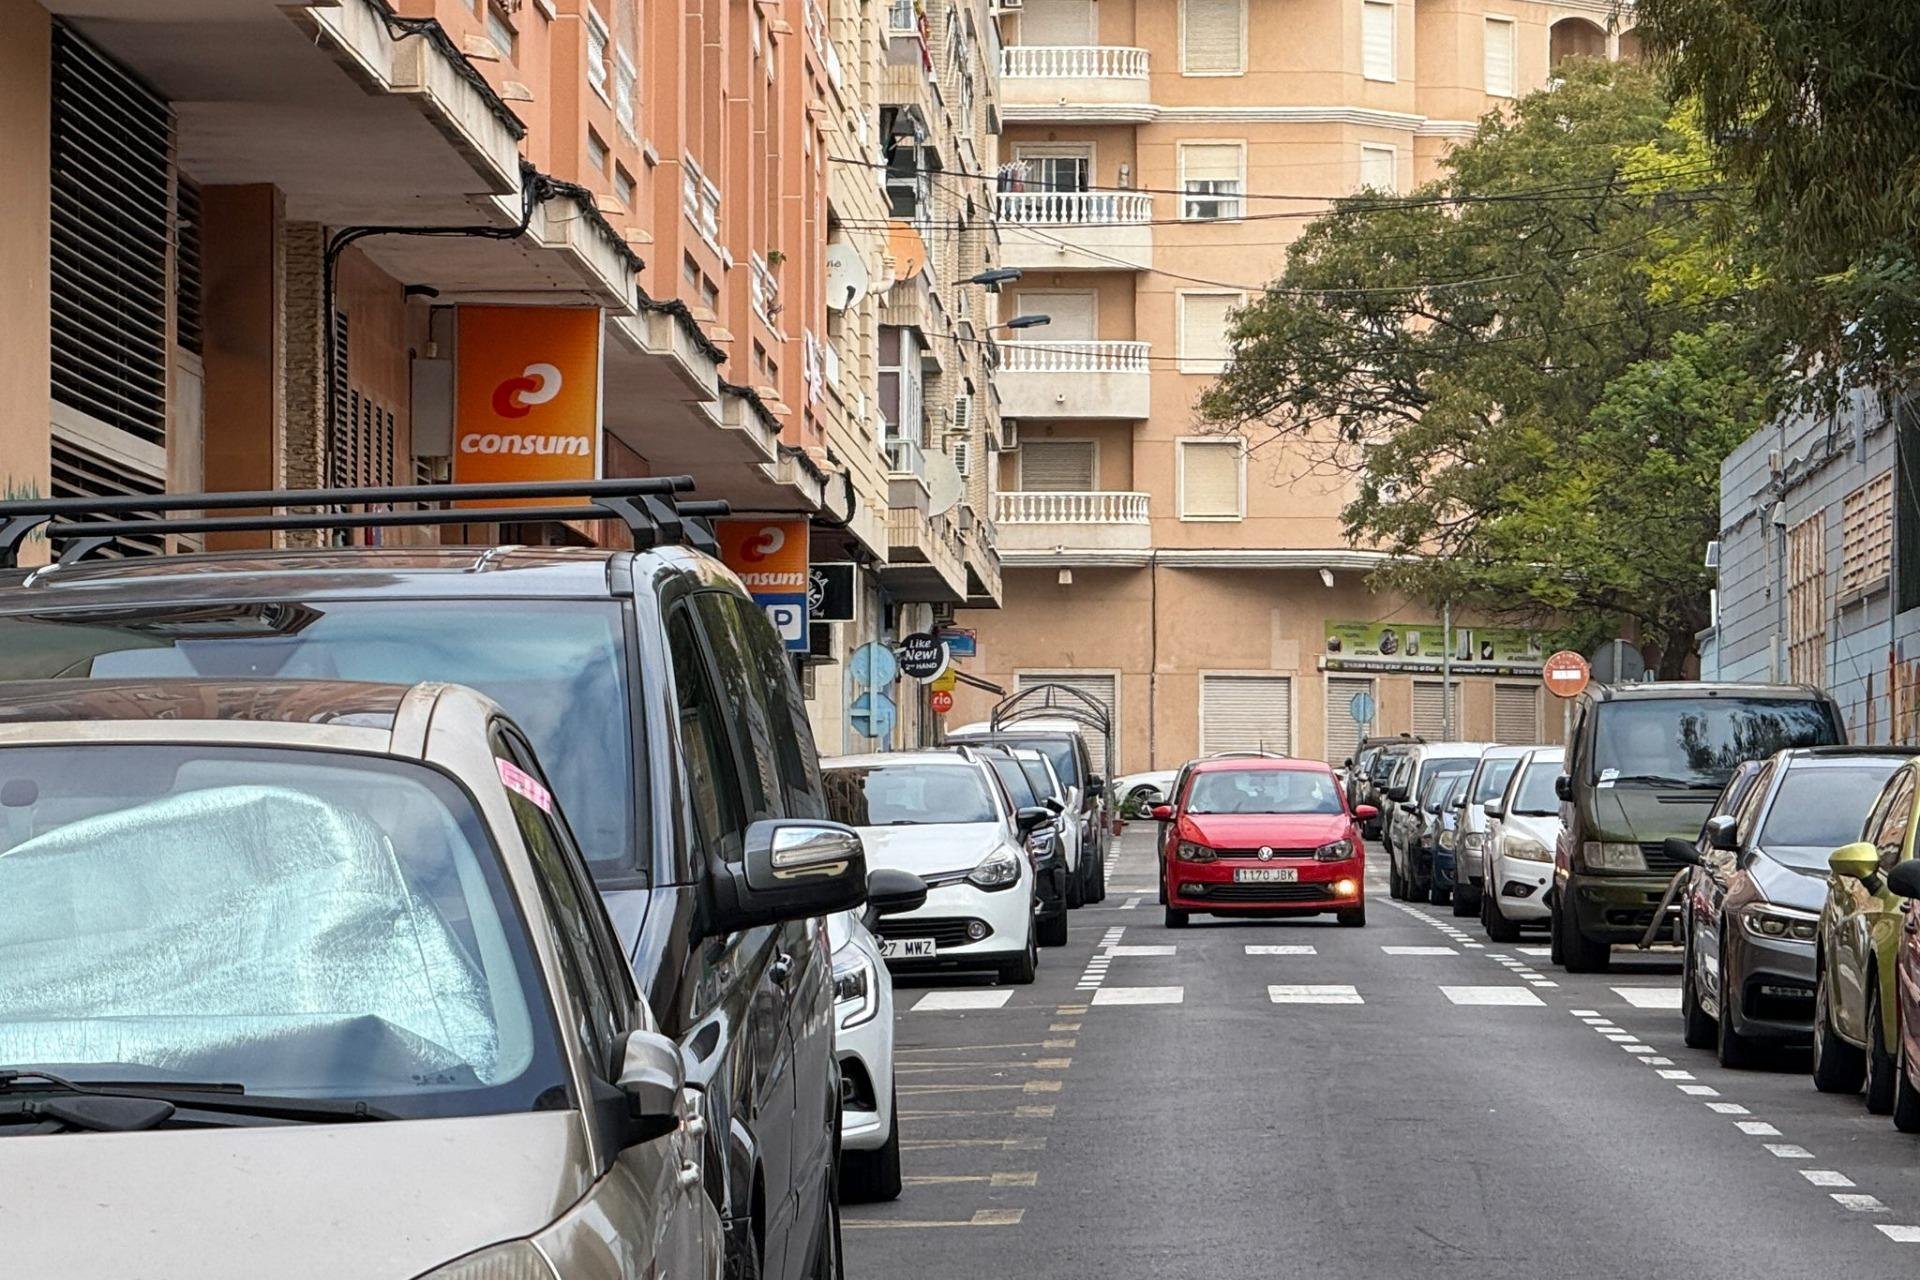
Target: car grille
(948, 931)
(1658, 861)
(1255, 853)
(1263, 893)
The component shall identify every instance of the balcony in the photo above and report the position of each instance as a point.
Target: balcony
(1074, 380)
(1074, 82)
(1055, 524)
(1075, 230)
(925, 560)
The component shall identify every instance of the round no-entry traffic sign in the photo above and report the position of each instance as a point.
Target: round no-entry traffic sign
(923, 656)
(942, 702)
(1566, 674)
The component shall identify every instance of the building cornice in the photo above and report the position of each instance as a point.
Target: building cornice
(1149, 113)
(1349, 559)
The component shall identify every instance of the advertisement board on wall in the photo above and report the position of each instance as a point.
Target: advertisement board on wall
(527, 395)
(1419, 647)
(771, 558)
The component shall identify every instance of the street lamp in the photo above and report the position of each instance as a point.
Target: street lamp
(993, 277)
(1018, 322)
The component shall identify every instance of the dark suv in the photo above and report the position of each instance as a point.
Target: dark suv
(665, 710)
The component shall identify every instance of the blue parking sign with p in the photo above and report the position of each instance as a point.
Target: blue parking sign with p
(788, 613)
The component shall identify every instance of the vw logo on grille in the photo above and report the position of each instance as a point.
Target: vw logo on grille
(1266, 853)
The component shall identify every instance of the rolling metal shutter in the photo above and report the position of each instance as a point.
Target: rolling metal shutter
(1343, 733)
(1212, 36)
(1246, 713)
(1516, 713)
(1056, 22)
(1102, 690)
(1210, 478)
(1057, 466)
(1377, 21)
(1429, 712)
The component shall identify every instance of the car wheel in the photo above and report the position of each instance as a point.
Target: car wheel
(1052, 930)
(1355, 918)
(827, 1262)
(1020, 972)
(1881, 1067)
(1097, 881)
(1163, 887)
(1396, 887)
(1906, 1098)
(1700, 1032)
(1578, 952)
(1177, 919)
(874, 1175)
(1466, 902)
(1438, 896)
(1498, 927)
(1730, 1047)
(1838, 1067)
(1076, 890)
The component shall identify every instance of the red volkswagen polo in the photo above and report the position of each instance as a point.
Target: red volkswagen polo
(1262, 836)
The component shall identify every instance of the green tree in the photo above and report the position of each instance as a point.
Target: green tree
(1817, 103)
(1530, 366)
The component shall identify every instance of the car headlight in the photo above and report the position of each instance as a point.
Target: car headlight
(1778, 923)
(1338, 851)
(1446, 838)
(1191, 852)
(1526, 850)
(517, 1260)
(1612, 855)
(1474, 842)
(998, 870)
(1041, 844)
(855, 994)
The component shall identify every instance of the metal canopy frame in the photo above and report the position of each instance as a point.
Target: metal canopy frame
(646, 505)
(1051, 701)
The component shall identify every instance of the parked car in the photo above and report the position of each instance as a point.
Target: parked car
(942, 816)
(648, 681)
(1754, 893)
(1523, 825)
(1857, 940)
(322, 963)
(1028, 780)
(1487, 782)
(1904, 881)
(1376, 779)
(1409, 872)
(1440, 834)
(1262, 836)
(863, 1037)
(1368, 767)
(1086, 834)
(1134, 795)
(1644, 764)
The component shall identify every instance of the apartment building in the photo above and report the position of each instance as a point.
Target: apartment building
(1160, 157)
(241, 239)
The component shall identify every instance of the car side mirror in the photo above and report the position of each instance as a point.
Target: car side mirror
(1494, 808)
(792, 869)
(1029, 817)
(1347, 763)
(1096, 784)
(1053, 804)
(1365, 812)
(1563, 786)
(1397, 794)
(1162, 813)
(1682, 851)
(891, 892)
(1723, 834)
(652, 1076)
(1905, 879)
(1857, 861)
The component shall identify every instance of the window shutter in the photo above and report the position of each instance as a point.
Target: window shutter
(1343, 731)
(1101, 689)
(1246, 713)
(1516, 713)
(1377, 40)
(1210, 161)
(1057, 466)
(1211, 37)
(1056, 22)
(1379, 168)
(1210, 478)
(1204, 346)
(1499, 57)
(1429, 712)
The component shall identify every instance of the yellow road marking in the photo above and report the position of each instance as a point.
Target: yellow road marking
(970, 1048)
(991, 1179)
(1035, 1112)
(1031, 1086)
(1072, 1008)
(1065, 1042)
(1037, 1064)
(984, 1218)
(954, 1144)
(1064, 1026)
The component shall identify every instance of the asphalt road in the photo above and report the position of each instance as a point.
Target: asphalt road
(1406, 1100)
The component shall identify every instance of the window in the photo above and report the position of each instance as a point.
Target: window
(900, 383)
(1379, 168)
(1205, 341)
(711, 775)
(500, 31)
(1062, 169)
(1213, 37)
(624, 187)
(1213, 176)
(1499, 57)
(1807, 600)
(1057, 466)
(1210, 479)
(1377, 39)
(1866, 537)
(597, 53)
(625, 81)
(596, 152)
(1892, 837)
(1245, 713)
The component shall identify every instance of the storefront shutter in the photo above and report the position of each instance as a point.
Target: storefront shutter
(1429, 713)
(1211, 36)
(1246, 713)
(1343, 733)
(1057, 466)
(1101, 688)
(1516, 713)
(1210, 478)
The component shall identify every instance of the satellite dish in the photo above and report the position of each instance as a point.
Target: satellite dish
(847, 278)
(945, 487)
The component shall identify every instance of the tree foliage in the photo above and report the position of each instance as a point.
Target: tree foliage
(1817, 103)
(1530, 365)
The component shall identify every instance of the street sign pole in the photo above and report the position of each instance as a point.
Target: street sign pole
(1446, 671)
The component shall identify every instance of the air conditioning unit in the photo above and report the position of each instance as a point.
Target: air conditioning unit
(1006, 5)
(962, 453)
(1009, 435)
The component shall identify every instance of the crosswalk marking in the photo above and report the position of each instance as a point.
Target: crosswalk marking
(1491, 995)
(1650, 997)
(1420, 951)
(1313, 993)
(946, 1001)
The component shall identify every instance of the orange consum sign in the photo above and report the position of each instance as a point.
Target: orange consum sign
(1566, 674)
(527, 403)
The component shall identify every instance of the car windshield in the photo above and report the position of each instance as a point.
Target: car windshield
(298, 923)
(1382, 767)
(1819, 807)
(559, 667)
(897, 795)
(1263, 791)
(1536, 796)
(1698, 742)
(1492, 779)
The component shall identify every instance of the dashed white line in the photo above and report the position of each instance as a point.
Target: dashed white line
(1491, 995)
(1756, 1128)
(1650, 997)
(1788, 1150)
(1419, 951)
(1311, 993)
(1279, 949)
(1826, 1177)
(1899, 1235)
(1728, 1109)
(1858, 1202)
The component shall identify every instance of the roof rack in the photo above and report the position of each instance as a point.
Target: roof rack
(646, 505)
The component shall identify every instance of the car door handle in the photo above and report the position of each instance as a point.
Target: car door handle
(690, 1174)
(781, 969)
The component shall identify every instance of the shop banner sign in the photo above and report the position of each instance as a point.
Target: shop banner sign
(1419, 648)
(771, 558)
(527, 397)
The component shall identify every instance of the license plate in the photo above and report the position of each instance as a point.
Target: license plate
(1265, 875)
(908, 948)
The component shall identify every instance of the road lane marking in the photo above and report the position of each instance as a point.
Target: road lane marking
(1788, 1150)
(1162, 949)
(955, 1144)
(1584, 1013)
(1063, 1026)
(1067, 1043)
(1542, 982)
(1826, 1177)
(1858, 1202)
(1656, 1062)
(1535, 951)
(1070, 1008)
(1699, 1091)
(1639, 1048)
(1313, 993)
(1731, 1109)
(1419, 951)
(1899, 1235)
(946, 1001)
(969, 1048)
(1491, 995)
(1033, 1111)
(1650, 997)
(983, 1218)
(1139, 995)
(1756, 1128)
(1672, 1073)
(1280, 949)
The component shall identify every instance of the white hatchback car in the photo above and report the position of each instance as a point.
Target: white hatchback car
(940, 815)
(863, 1038)
(1522, 827)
